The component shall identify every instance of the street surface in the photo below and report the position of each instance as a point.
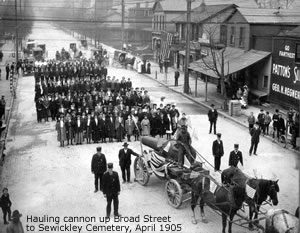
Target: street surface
(46, 180)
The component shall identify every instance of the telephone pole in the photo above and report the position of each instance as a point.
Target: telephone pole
(122, 23)
(17, 33)
(186, 86)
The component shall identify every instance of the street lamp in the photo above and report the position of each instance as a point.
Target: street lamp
(186, 85)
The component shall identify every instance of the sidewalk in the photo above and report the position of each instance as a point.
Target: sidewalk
(7, 49)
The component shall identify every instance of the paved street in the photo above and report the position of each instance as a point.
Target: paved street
(45, 179)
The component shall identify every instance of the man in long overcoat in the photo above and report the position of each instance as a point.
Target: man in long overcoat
(111, 190)
(110, 127)
(255, 134)
(129, 127)
(218, 151)
(212, 117)
(125, 161)
(235, 156)
(98, 168)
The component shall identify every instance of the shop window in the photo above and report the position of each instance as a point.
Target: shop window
(242, 37)
(297, 57)
(232, 35)
(265, 81)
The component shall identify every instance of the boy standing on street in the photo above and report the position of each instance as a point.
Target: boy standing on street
(5, 204)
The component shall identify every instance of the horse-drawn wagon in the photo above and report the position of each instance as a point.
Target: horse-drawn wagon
(194, 182)
(162, 161)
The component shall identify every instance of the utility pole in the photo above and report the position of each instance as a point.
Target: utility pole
(186, 86)
(123, 19)
(17, 34)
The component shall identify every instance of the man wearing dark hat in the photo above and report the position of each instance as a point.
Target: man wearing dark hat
(255, 134)
(15, 226)
(185, 141)
(98, 167)
(111, 190)
(218, 151)
(125, 161)
(212, 117)
(235, 156)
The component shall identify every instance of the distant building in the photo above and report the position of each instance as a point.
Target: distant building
(140, 24)
(285, 71)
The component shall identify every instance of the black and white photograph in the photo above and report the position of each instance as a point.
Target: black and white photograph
(149, 116)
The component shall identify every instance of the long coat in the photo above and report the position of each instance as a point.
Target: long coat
(255, 133)
(217, 149)
(119, 125)
(111, 184)
(61, 131)
(110, 127)
(234, 158)
(145, 125)
(125, 158)
(129, 127)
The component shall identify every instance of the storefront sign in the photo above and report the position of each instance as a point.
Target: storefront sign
(285, 73)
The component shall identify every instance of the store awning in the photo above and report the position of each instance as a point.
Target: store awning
(234, 59)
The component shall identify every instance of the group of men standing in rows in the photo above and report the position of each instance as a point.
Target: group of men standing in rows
(88, 105)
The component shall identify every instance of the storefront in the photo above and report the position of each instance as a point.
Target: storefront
(285, 72)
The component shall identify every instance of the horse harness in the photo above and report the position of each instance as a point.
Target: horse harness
(283, 212)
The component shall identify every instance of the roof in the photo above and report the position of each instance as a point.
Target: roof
(181, 5)
(234, 59)
(271, 16)
(200, 13)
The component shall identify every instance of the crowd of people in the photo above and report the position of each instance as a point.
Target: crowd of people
(277, 123)
(90, 106)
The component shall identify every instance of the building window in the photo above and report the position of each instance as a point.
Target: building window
(160, 22)
(265, 81)
(232, 35)
(242, 37)
(183, 31)
(223, 36)
(297, 57)
(157, 23)
(163, 23)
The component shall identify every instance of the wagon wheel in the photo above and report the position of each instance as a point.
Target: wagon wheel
(174, 193)
(140, 170)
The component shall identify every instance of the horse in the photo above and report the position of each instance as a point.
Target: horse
(227, 200)
(262, 189)
(281, 221)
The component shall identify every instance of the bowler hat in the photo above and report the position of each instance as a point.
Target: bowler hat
(219, 135)
(16, 214)
(99, 148)
(236, 145)
(125, 144)
(110, 165)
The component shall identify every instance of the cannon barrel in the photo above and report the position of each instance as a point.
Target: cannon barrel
(151, 142)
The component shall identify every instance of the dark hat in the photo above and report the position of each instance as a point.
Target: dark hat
(236, 145)
(16, 214)
(219, 135)
(4, 189)
(110, 165)
(99, 148)
(212, 105)
(125, 144)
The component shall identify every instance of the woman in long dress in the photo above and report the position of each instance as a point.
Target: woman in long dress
(145, 125)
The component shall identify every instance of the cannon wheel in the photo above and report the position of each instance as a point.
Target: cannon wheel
(174, 193)
(140, 170)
